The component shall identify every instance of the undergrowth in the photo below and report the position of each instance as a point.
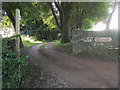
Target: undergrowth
(10, 64)
(93, 53)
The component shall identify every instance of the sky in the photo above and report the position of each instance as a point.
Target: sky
(113, 25)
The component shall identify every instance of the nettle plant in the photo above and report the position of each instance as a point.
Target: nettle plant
(10, 64)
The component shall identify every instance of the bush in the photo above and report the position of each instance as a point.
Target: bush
(10, 65)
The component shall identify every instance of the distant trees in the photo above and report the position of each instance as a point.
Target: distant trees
(40, 30)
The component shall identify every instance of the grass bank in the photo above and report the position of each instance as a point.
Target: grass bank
(29, 41)
(63, 47)
(94, 53)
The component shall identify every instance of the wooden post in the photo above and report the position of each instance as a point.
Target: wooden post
(18, 39)
(0, 46)
(0, 62)
(17, 33)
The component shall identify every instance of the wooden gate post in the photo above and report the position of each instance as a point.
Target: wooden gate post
(17, 26)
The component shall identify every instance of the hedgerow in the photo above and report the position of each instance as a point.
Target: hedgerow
(10, 64)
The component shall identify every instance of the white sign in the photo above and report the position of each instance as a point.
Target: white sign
(103, 39)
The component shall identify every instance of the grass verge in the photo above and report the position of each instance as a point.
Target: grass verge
(94, 53)
(29, 41)
(43, 45)
(63, 47)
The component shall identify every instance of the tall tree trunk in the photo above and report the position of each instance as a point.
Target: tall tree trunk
(79, 23)
(110, 17)
(65, 33)
(65, 23)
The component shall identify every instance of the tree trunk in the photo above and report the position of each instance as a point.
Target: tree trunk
(65, 33)
(65, 24)
(63, 21)
(79, 23)
(110, 17)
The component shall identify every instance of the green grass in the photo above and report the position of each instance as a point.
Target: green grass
(47, 41)
(28, 44)
(94, 53)
(29, 41)
(43, 45)
(63, 47)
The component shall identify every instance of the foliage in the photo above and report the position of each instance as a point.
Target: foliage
(40, 24)
(6, 22)
(67, 15)
(29, 41)
(78, 15)
(40, 30)
(10, 64)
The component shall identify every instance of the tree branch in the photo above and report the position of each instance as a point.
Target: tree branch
(11, 17)
(56, 19)
(58, 7)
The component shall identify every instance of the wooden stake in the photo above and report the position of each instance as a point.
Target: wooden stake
(0, 62)
(18, 39)
(1, 46)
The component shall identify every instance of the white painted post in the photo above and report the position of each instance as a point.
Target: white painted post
(18, 33)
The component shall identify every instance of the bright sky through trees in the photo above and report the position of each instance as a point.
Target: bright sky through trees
(113, 25)
(114, 22)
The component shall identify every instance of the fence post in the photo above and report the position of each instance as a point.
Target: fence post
(0, 62)
(18, 38)
(17, 33)
(0, 46)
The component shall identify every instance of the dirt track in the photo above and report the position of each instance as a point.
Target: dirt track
(79, 72)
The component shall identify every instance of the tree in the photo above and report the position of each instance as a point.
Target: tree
(9, 8)
(111, 14)
(74, 15)
(67, 15)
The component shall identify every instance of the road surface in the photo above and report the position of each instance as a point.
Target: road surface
(79, 72)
